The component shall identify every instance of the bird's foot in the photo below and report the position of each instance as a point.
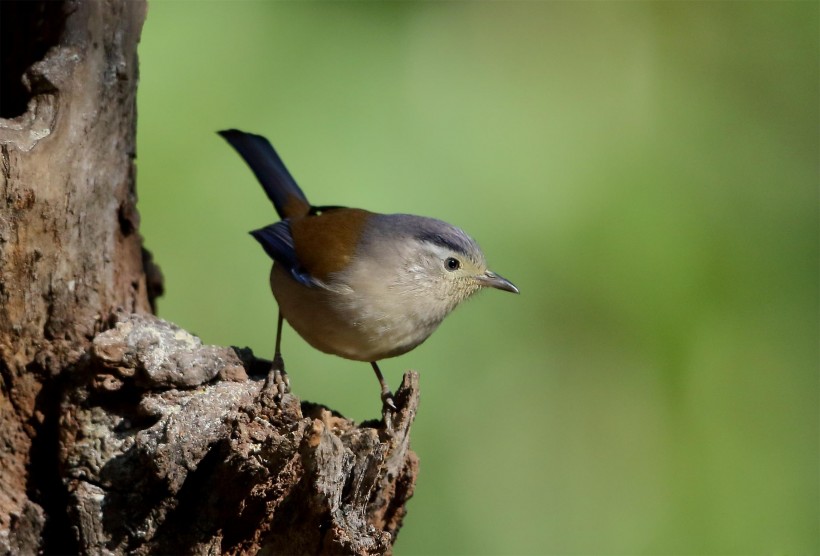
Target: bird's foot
(388, 409)
(387, 400)
(277, 380)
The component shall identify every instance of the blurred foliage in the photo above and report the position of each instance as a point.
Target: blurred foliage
(646, 173)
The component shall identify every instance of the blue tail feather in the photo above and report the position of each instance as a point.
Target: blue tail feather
(281, 188)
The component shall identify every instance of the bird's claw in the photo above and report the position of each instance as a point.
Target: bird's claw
(281, 381)
(388, 409)
(387, 400)
(277, 379)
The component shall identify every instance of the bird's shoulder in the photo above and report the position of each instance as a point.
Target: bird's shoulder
(325, 243)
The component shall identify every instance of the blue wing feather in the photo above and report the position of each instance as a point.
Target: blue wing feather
(277, 242)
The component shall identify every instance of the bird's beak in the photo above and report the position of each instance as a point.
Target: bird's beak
(493, 280)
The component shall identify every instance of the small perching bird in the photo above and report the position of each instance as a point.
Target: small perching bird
(358, 284)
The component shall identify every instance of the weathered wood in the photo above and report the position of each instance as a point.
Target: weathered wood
(69, 248)
(196, 458)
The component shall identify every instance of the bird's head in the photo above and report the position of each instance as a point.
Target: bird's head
(450, 258)
(437, 265)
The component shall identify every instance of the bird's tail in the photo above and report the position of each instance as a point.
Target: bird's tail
(269, 169)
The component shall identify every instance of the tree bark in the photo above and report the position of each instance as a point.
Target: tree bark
(119, 432)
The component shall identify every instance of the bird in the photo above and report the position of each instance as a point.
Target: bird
(357, 284)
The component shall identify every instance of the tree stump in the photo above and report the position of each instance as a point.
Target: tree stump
(119, 432)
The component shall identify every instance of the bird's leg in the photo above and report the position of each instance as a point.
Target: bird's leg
(277, 377)
(388, 405)
(387, 395)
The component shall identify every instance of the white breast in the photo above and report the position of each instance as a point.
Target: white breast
(375, 320)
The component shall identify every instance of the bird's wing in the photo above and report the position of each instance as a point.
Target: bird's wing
(277, 241)
(315, 249)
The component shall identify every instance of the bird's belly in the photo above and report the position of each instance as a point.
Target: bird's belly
(344, 324)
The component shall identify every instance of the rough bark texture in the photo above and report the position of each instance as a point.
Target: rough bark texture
(120, 433)
(69, 253)
(169, 448)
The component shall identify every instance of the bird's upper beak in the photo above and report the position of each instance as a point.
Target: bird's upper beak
(493, 280)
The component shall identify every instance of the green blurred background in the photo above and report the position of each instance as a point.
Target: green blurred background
(646, 173)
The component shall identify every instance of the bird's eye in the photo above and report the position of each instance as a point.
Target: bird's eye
(452, 264)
